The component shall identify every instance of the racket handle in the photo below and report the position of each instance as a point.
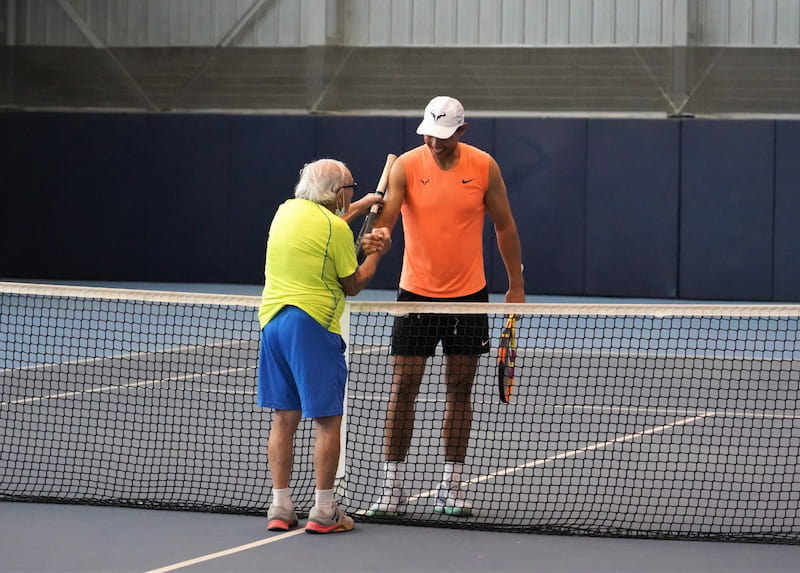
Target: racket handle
(366, 227)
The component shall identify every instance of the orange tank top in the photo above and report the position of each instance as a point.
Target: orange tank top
(443, 215)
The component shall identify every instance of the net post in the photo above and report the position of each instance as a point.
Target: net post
(344, 325)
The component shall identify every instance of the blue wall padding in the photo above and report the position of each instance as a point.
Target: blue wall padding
(787, 211)
(8, 130)
(632, 208)
(543, 162)
(76, 202)
(727, 199)
(690, 209)
(265, 158)
(363, 144)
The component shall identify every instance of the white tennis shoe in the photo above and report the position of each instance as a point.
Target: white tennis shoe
(390, 504)
(452, 502)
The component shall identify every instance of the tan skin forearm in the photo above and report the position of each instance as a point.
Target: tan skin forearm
(509, 246)
(360, 207)
(356, 282)
(505, 228)
(395, 194)
(374, 244)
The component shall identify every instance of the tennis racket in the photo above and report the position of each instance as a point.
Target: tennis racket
(369, 220)
(506, 356)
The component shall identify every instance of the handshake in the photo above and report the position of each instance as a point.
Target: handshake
(378, 241)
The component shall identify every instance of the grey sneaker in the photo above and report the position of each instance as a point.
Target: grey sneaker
(281, 518)
(334, 522)
(452, 502)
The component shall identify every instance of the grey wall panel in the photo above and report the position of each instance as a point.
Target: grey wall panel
(157, 23)
(580, 21)
(511, 25)
(764, 24)
(749, 22)
(400, 23)
(466, 30)
(490, 23)
(787, 27)
(535, 18)
(410, 22)
(603, 22)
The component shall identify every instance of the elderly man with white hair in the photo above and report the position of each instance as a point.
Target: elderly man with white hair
(310, 268)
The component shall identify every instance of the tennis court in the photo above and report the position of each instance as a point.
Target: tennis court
(599, 438)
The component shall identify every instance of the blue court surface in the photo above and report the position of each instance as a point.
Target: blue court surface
(74, 537)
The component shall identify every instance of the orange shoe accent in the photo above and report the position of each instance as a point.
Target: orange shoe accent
(312, 527)
(280, 525)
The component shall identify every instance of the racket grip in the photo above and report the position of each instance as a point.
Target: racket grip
(365, 228)
(380, 189)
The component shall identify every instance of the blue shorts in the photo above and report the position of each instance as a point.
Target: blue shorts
(301, 366)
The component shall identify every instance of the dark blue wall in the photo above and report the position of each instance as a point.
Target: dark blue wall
(727, 210)
(691, 209)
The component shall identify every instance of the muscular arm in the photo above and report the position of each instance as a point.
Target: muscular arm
(505, 228)
(395, 194)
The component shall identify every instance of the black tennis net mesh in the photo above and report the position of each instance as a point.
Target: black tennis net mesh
(660, 421)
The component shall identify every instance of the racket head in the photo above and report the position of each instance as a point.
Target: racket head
(506, 359)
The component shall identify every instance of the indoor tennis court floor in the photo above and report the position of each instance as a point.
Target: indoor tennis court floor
(42, 537)
(57, 538)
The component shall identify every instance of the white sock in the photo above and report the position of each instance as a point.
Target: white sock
(323, 499)
(451, 479)
(394, 474)
(282, 497)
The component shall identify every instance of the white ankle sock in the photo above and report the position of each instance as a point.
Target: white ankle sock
(451, 478)
(282, 497)
(323, 499)
(395, 473)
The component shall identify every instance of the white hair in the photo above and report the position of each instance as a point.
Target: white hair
(320, 180)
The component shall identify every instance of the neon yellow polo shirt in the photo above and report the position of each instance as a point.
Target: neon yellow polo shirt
(308, 249)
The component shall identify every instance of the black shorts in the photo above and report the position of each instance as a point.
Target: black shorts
(461, 334)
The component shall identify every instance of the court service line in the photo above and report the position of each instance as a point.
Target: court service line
(106, 388)
(651, 410)
(126, 356)
(226, 552)
(573, 453)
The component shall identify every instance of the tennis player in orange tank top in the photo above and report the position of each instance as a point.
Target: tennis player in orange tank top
(443, 214)
(443, 189)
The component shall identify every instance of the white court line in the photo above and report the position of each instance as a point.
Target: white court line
(126, 356)
(570, 454)
(182, 378)
(649, 410)
(429, 493)
(129, 355)
(225, 552)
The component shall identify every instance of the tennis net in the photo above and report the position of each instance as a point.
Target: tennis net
(660, 421)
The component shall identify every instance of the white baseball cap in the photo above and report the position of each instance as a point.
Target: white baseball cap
(443, 116)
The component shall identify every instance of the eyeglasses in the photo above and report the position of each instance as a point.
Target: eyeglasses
(352, 186)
